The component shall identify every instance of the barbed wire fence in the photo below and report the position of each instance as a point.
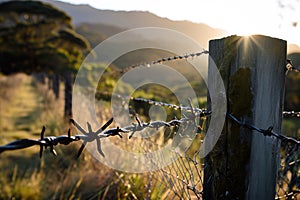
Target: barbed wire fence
(182, 179)
(185, 175)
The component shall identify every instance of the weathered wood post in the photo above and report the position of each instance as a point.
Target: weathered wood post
(243, 164)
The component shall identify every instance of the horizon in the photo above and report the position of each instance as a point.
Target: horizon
(244, 18)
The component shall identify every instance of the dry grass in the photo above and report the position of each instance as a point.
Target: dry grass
(26, 106)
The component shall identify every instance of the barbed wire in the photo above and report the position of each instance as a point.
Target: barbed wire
(204, 112)
(290, 67)
(266, 132)
(291, 114)
(184, 180)
(180, 183)
(185, 174)
(124, 98)
(90, 135)
(163, 60)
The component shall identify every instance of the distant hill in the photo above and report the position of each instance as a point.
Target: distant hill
(135, 19)
(96, 33)
(293, 48)
(107, 23)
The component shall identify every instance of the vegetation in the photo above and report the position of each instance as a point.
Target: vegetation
(292, 98)
(36, 37)
(96, 33)
(32, 34)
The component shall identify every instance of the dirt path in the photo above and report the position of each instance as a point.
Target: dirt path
(21, 109)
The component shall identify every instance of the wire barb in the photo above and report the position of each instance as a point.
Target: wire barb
(290, 67)
(266, 132)
(91, 136)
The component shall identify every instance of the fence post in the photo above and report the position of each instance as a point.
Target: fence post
(243, 164)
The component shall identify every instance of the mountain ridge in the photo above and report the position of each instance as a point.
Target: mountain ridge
(84, 13)
(123, 20)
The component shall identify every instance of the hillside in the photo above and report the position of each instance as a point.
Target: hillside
(107, 22)
(96, 33)
(134, 19)
(84, 13)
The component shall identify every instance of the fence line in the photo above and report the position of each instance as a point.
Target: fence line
(90, 135)
(163, 60)
(181, 174)
(123, 98)
(204, 112)
(266, 132)
(184, 176)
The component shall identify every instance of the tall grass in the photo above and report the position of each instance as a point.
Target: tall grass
(23, 174)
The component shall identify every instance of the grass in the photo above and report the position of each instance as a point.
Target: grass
(20, 116)
(26, 106)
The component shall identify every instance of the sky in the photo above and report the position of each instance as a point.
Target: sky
(276, 18)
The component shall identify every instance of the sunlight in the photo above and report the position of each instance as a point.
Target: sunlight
(236, 17)
(247, 42)
(245, 33)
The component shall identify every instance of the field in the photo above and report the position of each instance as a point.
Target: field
(27, 105)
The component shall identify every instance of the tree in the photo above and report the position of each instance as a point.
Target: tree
(37, 37)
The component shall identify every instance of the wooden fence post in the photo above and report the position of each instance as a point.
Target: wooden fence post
(243, 164)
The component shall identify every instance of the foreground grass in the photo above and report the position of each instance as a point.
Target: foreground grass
(25, 107)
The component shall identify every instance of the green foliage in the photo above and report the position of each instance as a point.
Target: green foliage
(37, 37)
(16, 186)
(291, 127)
(34, 7)
(89, 77)
(292, 88)
(292, 94)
